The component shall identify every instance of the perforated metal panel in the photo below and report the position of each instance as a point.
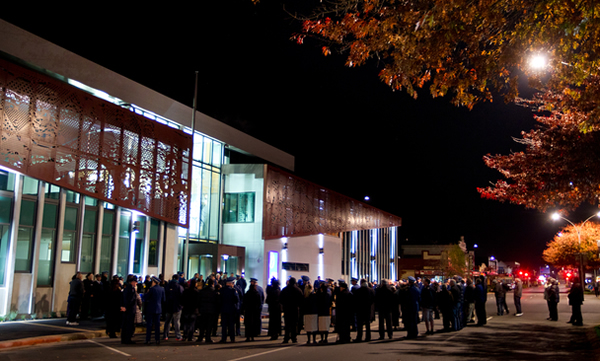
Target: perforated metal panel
(296, 207)
(62, 135)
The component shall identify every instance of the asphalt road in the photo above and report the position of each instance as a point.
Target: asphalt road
(530, 337)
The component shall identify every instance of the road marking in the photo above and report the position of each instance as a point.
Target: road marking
(110, 348)
(60, 327)
(263, 353)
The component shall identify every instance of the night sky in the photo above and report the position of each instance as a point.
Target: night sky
(418, 159)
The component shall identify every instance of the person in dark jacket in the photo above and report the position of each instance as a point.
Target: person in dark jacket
(410, 316)
(310, 312)
(469, 306)
(128, 308)
(427, 305)
(230, 305)
(445, 303)
(291, 298)
(273, 292)
(384, 300)
(208, 310)
(364, 297)
(112, 305)
(344, 306)
(500, 293)
(153, 300)
(324, 301)
(252, 307)
(173, 307)
(480, 299)
(190, 299)
(75, 299)
(553, 300)
(575, 301)
(88, 292)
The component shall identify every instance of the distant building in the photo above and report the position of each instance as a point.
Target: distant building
(429, 261)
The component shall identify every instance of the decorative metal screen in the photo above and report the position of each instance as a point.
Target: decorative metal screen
(296, 207)
(62, 135)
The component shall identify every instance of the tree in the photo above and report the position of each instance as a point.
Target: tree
(470, 50)
(558, 168)
(463, 47)
(564, 249)
(453, 261)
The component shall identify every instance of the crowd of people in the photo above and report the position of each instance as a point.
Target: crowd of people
(190, 306)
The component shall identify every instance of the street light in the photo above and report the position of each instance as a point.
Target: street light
(556, 216)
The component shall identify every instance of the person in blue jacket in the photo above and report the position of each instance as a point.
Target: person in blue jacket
(153, 301)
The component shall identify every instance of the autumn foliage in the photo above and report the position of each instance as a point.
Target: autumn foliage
(470, 51)
(563, 250)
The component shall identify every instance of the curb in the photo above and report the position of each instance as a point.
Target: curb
(50, 339)
(38, 340)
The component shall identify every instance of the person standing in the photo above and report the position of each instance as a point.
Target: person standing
(112, 306)
(252, 308)
(273, 292)
(230, 306)
(174, 292)
(75, 298)
(189, 308)
(128, 308)
(291, 298)
(500, 293)
(480, 299)
(575, 301)
(88, 292)
(553, 300)
(364, 297)
(469, 308)
(344, 306)
(324, 311)
(410, 316)
(153, 300)
(518, 292)
(261, 293)
(310, 311)
(208, 309)
(427, 305)
(384, 299)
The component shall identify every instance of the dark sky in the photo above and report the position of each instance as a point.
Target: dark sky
(418, 159)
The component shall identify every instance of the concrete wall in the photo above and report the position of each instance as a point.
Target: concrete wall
(307, 250)
(247, 178)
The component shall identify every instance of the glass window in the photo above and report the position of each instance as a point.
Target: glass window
(5, 220)
(46, 261)
(30, 186)
(72, 197)
(52, 192)
(153, 246)
(205, 204)
(239, 208)
(68, 243)
(5, 210)
(138, 251)
(25, 236)
(91, 201)
(87, 253)
(49, 218)
(106, 248)
(217, 154)
(88, 241)
(207, 156)
(24, 243)
(123, 246)
(7, 181)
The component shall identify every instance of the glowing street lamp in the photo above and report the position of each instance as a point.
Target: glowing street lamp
(538, 62)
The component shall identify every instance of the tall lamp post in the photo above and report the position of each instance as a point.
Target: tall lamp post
(556, 217)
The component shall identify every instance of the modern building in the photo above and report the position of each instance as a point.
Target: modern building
(101, 174)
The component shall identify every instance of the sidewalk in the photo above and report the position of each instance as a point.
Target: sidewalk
(27, 333)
